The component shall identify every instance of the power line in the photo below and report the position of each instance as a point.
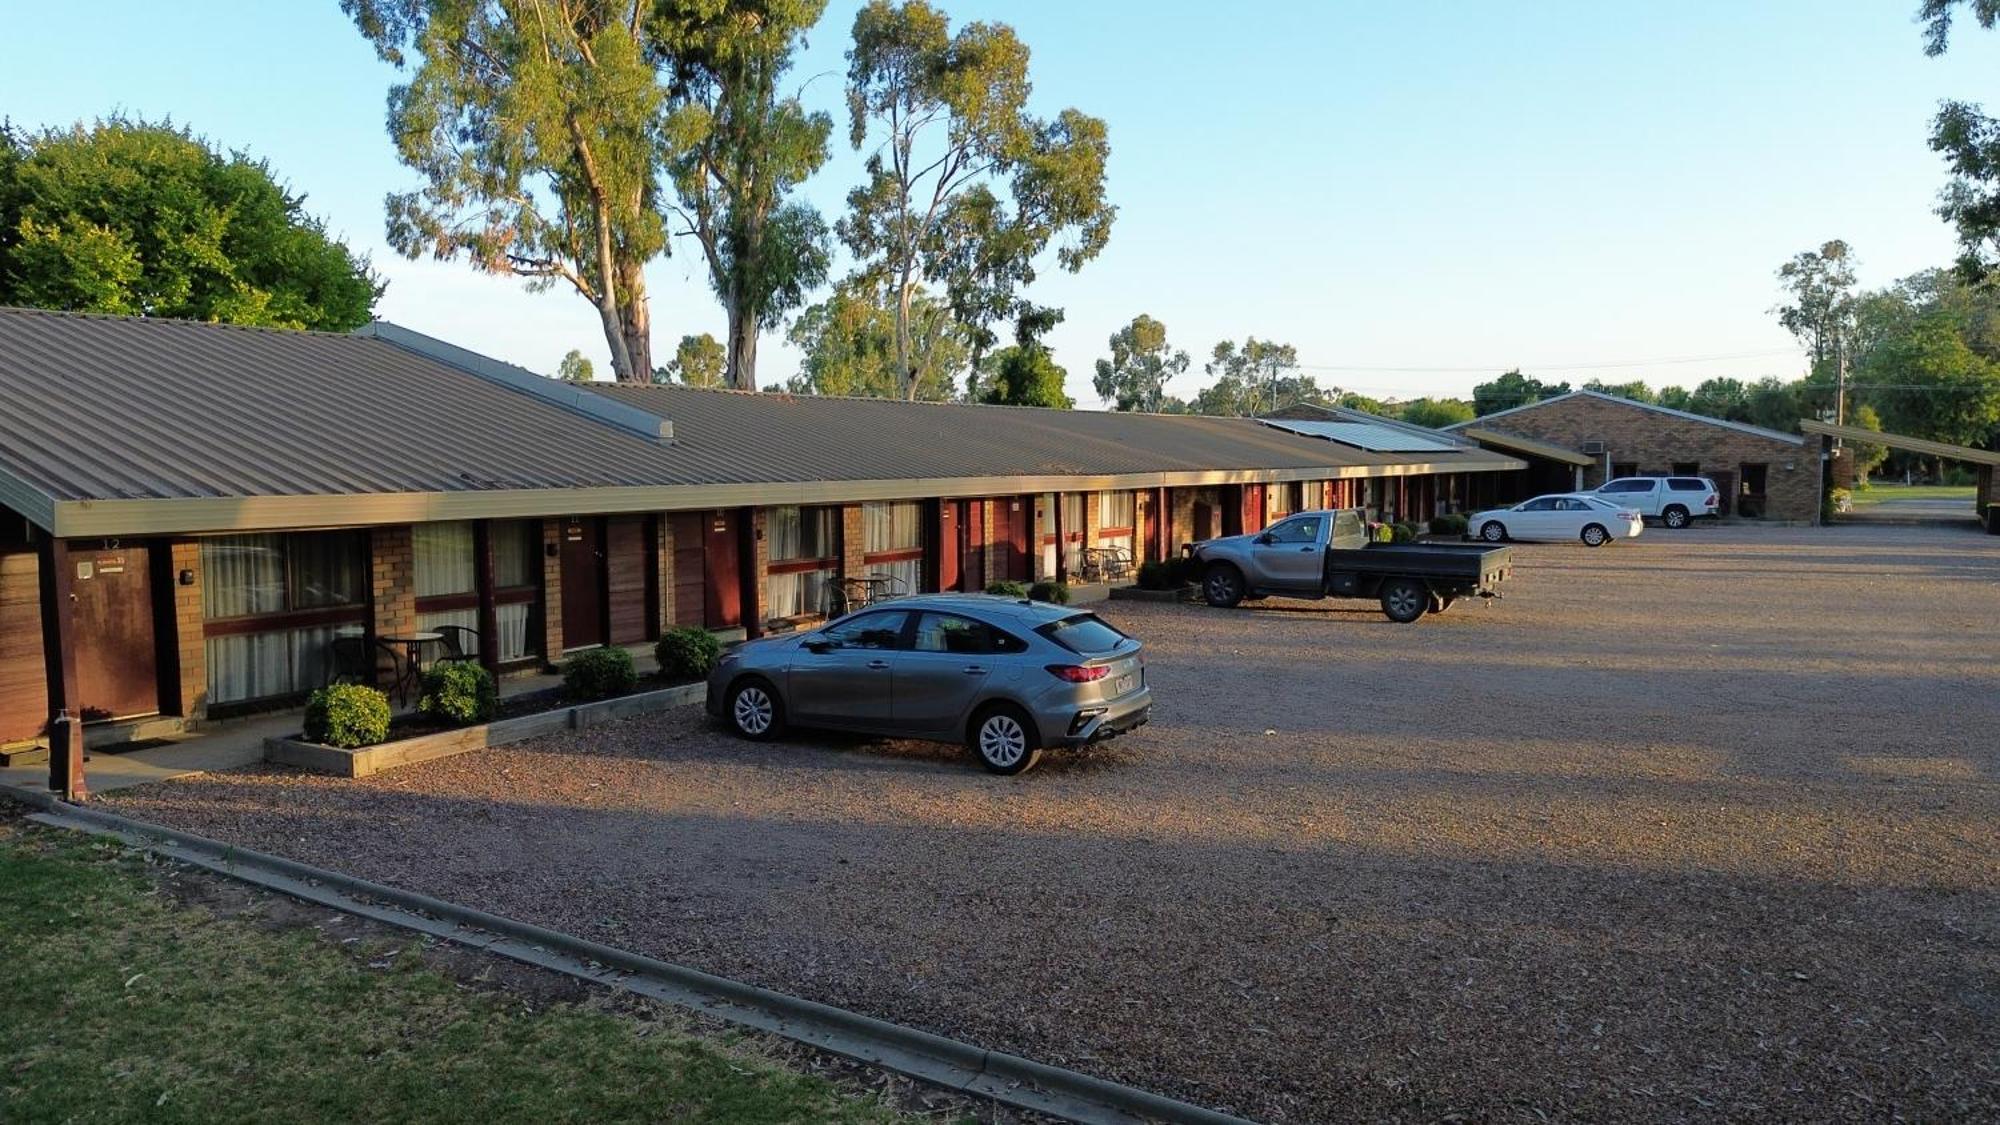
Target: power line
(1533, 368)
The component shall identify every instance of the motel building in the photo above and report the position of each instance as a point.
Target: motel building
(197, 521)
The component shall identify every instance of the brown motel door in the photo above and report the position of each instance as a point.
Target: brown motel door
(690, 596)
(117, 674)
(626, 559)
(725, 581)
(582, 583)
(973, 563)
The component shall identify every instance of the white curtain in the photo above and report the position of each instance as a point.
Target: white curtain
(253, 575)
(444, 558)
(517, 552)
(513, 624)
(909, 572)
(797, 594)
(892, 527)
(242, 575)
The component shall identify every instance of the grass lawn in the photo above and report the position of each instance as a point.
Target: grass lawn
(123, 1003)
(1880, 491)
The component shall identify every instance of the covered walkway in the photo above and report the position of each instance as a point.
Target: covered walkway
(1840, 474)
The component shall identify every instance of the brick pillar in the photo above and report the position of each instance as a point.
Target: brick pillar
(853, 542)
(1843, 468)
(552, 632)
(190, 647)
(1093, 516)
(393, 591)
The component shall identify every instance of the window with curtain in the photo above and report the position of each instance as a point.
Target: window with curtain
(893, 542)
(447, 575)
(272, 605)
(803, 554)
(517, 585)
(1117, 515)
(1072, 527)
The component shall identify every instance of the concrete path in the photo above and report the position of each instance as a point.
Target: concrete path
(1912, 512)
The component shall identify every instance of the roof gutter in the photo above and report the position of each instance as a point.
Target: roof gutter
(96, 518)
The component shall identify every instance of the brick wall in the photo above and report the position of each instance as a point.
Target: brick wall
(853, 542)
(190, 644)
(664, 577)
(1655, 442)
(552, 631)
(393, 587)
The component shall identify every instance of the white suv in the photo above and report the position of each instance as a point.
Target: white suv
(1671, 500)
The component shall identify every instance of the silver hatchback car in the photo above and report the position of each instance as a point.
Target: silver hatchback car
(1007, 677)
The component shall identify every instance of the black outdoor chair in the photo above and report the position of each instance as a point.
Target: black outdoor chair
(460, 643)
(351, 663)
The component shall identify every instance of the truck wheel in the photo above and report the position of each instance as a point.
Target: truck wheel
(1222, 586)
(1493, 531)
(1675, 517)
(1595, 536)
(1404, 600)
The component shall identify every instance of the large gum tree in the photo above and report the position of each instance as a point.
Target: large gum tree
(538, 127)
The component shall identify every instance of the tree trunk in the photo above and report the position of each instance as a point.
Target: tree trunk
(906, 377)
(636, 326)
(742, 351)
(614, 336)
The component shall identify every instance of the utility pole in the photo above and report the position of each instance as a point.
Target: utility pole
(1840, 381)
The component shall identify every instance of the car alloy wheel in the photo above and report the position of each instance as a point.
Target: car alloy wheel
(1675, 518)
(753, 711)
(1002, 742)
(1595, 536)
(1222, 586)
(1404, 601)
(1493, 531)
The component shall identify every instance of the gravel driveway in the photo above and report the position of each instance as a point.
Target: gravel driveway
(1703, 827)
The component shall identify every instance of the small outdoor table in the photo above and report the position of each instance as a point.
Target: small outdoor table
(413, 655)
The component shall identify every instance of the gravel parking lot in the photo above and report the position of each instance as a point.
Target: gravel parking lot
(1701, 827)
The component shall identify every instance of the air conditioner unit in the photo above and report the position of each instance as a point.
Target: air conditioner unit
(1595, 448)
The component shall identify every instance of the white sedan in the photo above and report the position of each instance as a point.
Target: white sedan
(1563, 515)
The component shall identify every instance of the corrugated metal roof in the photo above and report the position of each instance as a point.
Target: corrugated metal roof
(121, 409)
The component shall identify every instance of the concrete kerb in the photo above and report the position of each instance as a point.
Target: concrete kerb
(1009, 1079)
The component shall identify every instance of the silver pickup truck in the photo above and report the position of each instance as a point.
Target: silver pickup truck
(1327, 554)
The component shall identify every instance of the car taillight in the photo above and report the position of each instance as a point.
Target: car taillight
(1712, 500)
(1079, 673)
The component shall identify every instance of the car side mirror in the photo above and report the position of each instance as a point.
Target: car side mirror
(821, 645)
(1265, 540)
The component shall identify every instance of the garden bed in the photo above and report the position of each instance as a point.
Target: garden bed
(416, 738)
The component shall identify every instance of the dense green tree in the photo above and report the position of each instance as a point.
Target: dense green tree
(1721, 397)
(146, 219)
(1775, 404)
(540, 133)
(1821, 309)
(699, 361)
(1636, 390)
(1026, 375)
(848, 343)
(1436, 413)
(1254, 378)
(1512, 389)
(965, 188)
(1675, 398)
(575, 368)
(1927, 382)
(1141, 365)
(1969, 141)
(744, 147)
(1867, 456)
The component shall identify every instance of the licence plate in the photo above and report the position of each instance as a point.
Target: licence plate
(1124, 684)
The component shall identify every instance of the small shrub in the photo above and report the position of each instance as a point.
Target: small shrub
(458, 691)
(347, 715)
(1958, 476)
(599, 673)
(1381, 533)
(1007, 589)
(1055, 593)
(1448, 525)
(687, 653)
(1403, 533)
(1169, 574)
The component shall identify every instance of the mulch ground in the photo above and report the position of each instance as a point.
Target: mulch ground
(1702, 827)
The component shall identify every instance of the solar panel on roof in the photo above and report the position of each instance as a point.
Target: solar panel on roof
(1364, 435)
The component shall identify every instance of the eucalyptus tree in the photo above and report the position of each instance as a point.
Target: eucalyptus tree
(699, 361)
(1820, 314)
(965, 188)
(1141, 364)
(1969, 141)
(539, 129)
(744, 146)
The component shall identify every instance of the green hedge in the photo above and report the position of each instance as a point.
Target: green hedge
(458, 691)
(1402, 532)
(1056, 593)
(348, 716)
(1007, 589)
(1172, 574)
(599, 673)
(1448, 525)
(687, 653)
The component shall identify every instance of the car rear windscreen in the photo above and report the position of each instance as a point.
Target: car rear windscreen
(1086, 634)
(1688, 484)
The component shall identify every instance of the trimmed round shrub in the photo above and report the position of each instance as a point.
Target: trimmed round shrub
(599, 673)
(458, 692)
(1007, 589)
(1169, 574)
(687, 653)
(1056, 593)
(1381, 533)
(1403, 533)
(1448, 525)
(347, 715)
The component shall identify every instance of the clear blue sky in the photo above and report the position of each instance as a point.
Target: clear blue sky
(1446, 185)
